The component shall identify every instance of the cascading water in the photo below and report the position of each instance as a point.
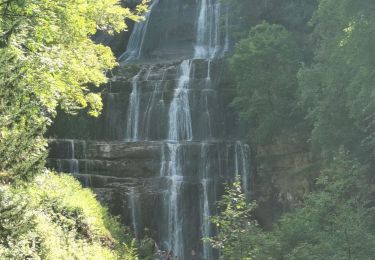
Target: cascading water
(137, 38)
(179, 111)
(205, 200)
(69, 163)
(171, 153)
(226, 40)
(208, 30)
(72, 162)
(242, 167)
(180, 130)
(174, 174)
(133, 111)
(207, 94)
(133, 207)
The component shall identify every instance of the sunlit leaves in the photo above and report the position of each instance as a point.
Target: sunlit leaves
(48, 60)
(44, 220)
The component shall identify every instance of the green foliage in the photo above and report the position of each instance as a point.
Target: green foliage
(17, 239)
(55, 218)
(48, 59)
(265, 66)
(239, 236)
(336, 221)
(130, 251)
(146, 247)
(337, 88)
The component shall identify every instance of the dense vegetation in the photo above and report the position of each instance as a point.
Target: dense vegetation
(45, 220)
(309, 73)
(334, 222)
(48, 60)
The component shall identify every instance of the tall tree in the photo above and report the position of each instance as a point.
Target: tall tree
(337, 89)
(48, 59)
(265, 65)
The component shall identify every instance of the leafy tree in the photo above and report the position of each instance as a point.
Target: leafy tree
(48, 59)
(265, 66)
(239, 236)
(335, 220)
(337, 88)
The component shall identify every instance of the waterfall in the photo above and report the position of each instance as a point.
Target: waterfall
(207, 94)
(174, 174)
(205, 182)
(137, 37)
(226, 39)
(242, 167)
(179, 111)
(133, 206)
(73, 162)
(208, 30)
(180, 129)
(206, 120)
(133, 111)
(176, 152)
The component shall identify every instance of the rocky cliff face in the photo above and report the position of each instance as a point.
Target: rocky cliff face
(166, 140)
(285, 171)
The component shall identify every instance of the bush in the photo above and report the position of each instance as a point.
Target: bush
(55, 218)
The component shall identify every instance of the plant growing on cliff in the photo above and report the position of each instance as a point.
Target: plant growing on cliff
(336, 221)
(239, 236)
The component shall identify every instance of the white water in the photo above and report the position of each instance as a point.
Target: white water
(174, 174)
(137, 37)
(207, 93)
(206, 121)
(208, 30)
(242, 167)
(179, 110)
(180, 128)
(205, 217)
(73, 162)
(133, 111)
(208, 45)
(133, 203)
(226, 39)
